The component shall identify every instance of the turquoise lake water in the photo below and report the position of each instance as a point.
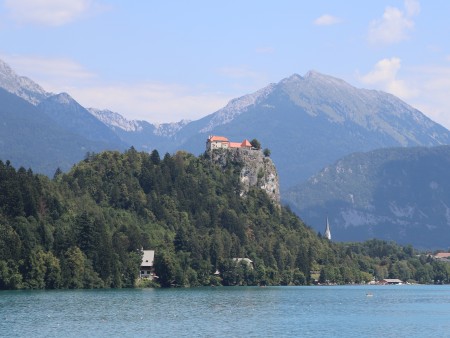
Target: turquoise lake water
(335, 311)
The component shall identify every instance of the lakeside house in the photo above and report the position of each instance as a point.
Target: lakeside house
(388, 281)
(147, 269)
(221, 142)
(442, 256)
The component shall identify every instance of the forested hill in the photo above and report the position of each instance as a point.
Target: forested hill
(86, 229)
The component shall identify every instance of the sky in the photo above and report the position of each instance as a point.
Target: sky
(164, 61)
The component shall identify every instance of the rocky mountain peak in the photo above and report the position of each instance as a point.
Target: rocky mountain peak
(63, 98)
(5, 69)
(114, 120)
(20, 85)
(314, 75)
(170, 129)
(313, 78)
(293, 78)
(236, 107)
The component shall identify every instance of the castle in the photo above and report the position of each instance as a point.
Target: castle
(220, 142)
(256, 168)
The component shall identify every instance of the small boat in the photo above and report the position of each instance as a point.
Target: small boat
(369, 294)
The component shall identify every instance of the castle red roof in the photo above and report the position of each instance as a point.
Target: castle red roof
(218, 139)
(246, 143)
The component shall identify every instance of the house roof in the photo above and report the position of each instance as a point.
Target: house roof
(246, 143)
(442, 255)
(235, 145)
(217, 139)
(387, 280)
(148, 258)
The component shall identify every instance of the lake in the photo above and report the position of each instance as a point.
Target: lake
(329, 311)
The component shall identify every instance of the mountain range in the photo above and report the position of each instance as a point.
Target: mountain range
(46, 131)
(399, 194)
(308, 122)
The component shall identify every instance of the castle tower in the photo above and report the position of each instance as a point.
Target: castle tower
(327, 234)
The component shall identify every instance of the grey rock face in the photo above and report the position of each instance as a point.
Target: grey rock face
(21, 86)
(257, 170)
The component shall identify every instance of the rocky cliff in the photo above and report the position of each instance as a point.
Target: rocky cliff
(256, 170)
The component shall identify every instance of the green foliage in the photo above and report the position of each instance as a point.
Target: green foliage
(10, 277)
(86, 229)
(166, 267)
(255, 144)
(43, 270)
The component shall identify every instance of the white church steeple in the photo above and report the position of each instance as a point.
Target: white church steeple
(327, 231)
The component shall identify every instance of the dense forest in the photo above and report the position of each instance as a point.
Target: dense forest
(87, 228)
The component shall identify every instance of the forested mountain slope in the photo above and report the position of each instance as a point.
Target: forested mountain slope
(86, 229)
(399, 194)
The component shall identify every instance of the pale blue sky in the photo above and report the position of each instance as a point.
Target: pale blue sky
(164, 61)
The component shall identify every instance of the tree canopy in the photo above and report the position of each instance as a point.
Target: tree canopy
(255, 144)
(86, 229)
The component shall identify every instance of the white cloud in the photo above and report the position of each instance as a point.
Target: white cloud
(150, 101)
(412, 7)
(384, 76)
(395, 24)
(47, 12)
(434, 86)
(56, 71)
(384, 70)
(327, 20)
(424, 87)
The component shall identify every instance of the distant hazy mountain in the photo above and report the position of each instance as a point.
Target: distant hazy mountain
(309, 122)
(141, 134)
(400, 194)
(70, 115)
(46, 131)
(115, 121)
(20, 85)
(29, 138)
